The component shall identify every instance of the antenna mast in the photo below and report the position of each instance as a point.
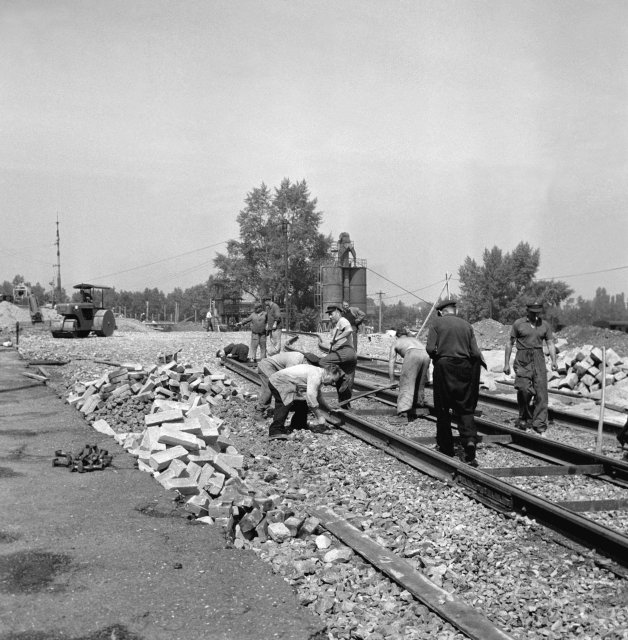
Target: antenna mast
(58, 265)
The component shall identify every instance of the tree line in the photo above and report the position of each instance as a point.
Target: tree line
(279, 252)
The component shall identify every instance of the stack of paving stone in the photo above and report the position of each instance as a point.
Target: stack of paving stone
(187, 449)
(581, 370)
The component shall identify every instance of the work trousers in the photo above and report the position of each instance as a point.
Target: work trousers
(265, 369)
(412, 380)
(281, 411)
(274, 335)
(257, 339)
(456, 389)
(346, 358)
(531, 386)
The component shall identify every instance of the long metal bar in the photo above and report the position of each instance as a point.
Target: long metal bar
(465, 618)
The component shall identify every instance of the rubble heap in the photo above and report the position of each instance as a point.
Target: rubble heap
(580, 370)
(186, 447)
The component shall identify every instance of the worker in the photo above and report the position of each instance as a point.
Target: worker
(257, 320)
(346, 250)
(355, 316)
(273, 323)
(266, 368)
(299, 388)
(238, 351)
(528, 334)
(86, 296)
(341, 351)
(414, 370)
(457, 360)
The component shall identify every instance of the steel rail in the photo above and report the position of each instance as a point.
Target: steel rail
(531, 444)
(480, 485)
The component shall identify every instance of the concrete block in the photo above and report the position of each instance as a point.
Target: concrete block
(183, 485)
(278, 532)
(102, 426)
(161, 459)
(215, 484)
(193, 471)
(234, 461)
(192, 425)
(161, 417)
(171, 435)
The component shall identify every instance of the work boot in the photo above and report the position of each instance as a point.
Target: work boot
(522, 424)
(469, 455)
(278, 434)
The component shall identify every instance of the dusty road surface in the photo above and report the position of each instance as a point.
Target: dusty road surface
(104, 555)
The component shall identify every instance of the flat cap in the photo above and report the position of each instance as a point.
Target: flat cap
(401, 330)
(446, 302)
(333, 306)
(535, 305)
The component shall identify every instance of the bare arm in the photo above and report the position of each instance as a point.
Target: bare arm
(552, 351)
(507, 353)
(392, 359)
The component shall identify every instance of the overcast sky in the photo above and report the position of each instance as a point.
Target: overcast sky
(428, 130)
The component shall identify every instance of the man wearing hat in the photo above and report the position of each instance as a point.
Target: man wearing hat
(457, 359)
(413, 375)
(258, 331)
(530, 370)
(355, 316)
(341, 351)
(272, 364)
(273, 323)
(299, 389)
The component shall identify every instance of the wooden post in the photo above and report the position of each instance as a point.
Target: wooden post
(600, 424)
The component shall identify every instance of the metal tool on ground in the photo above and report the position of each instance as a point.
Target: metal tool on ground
(368, 393)
(90, 458)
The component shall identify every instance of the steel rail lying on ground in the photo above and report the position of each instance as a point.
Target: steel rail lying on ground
(482, 486)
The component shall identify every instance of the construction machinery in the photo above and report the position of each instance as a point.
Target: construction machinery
(79, 319)
(33, 306)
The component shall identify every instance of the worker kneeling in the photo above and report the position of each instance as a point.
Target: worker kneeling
(299, 389)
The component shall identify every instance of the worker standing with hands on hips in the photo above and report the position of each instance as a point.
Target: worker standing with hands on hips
(257, 319)
(457, 360)
(528, 334)
(273, 323)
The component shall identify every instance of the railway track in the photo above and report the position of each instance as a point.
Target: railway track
(549, 460)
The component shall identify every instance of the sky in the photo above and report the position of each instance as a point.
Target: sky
(427, 130)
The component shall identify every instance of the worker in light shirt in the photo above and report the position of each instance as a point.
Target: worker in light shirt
(299, 389)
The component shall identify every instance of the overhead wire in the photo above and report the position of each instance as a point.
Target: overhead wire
(398, 285)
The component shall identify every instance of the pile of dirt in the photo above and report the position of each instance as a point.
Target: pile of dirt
(491, 334)
(11, 313)
(577, 335)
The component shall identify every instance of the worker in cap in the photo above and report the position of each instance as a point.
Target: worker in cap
(341, 351)
(355, 316)
(257, 319)
(273, 324)
(457, 360)
(413, 376)
(528, 335)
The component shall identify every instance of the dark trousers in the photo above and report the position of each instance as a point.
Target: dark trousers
(281, 411)
(456, 389)
(346, 358)
(531, 386)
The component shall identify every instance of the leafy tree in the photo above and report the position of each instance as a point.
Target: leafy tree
(256, 263)
(501, 286)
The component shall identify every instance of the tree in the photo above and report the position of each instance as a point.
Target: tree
(500, 288)
(256, 263)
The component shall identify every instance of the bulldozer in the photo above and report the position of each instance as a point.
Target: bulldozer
(79, 319)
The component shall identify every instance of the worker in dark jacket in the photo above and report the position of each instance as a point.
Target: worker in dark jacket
(457, 360)
(257, 320)
(239, 352)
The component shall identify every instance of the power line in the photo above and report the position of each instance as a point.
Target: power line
(150, 264)
(586, 273)
(398, 285)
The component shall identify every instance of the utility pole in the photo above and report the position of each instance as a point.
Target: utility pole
(284, 229)
(379, 328)
(57, 266)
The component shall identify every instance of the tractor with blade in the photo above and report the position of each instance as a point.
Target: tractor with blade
(79, 319)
